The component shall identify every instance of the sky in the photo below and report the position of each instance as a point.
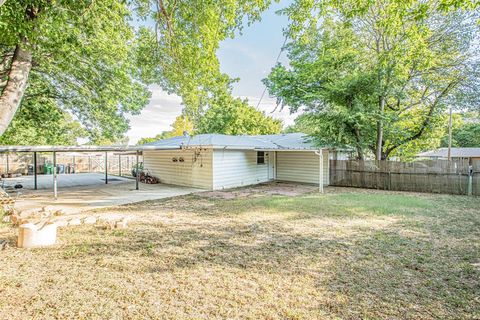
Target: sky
(248, 56)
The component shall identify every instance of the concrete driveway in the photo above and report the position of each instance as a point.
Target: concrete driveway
(74, 196)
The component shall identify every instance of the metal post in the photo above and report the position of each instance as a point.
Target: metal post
(54, 175)
(321, 171)
(450, 136)
(106, 168)
(137, 176)
(119, 165)
(35, 170)
(320, 174)
(73, 170)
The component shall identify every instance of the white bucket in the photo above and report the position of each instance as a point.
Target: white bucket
(31, 236)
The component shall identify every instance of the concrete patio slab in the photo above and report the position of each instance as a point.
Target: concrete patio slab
(45, 181)
(77, 198)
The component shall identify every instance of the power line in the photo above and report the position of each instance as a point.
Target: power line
(276, 61)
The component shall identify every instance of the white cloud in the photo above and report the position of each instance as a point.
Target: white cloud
(156, 117)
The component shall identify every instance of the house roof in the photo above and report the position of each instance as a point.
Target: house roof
(455, 153)
(287, 141)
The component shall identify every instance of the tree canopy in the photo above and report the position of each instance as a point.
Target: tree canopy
(377, 75)
(77, 57)
(42, 123)
(182, 48)
(234, 116)
(465, 132)
(180, 126)
(88, 62)
(85, 61)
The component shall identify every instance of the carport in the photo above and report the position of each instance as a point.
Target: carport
(54, 150)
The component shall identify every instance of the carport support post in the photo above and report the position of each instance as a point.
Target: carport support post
(119, 165)
(54, 175)
(35, 170)
(137, 176)
(106, 168)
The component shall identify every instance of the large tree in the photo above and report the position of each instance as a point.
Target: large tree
(75, 56)
(181, 49)
(377, 75)
(234, 116)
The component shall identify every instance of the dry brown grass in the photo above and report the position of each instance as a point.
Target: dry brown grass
(346, 254)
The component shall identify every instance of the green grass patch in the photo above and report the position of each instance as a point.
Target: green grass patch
(346, 254)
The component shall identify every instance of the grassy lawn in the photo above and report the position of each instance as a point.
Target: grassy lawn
(347, 254)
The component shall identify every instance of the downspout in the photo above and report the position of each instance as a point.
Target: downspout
(319, 153)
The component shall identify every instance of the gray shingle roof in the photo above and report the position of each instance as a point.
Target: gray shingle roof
(287, 141)
(455, 153)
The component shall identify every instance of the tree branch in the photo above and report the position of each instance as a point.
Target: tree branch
(425, 122)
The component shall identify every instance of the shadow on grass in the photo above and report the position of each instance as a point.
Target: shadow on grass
(421, 266)
(375, 274)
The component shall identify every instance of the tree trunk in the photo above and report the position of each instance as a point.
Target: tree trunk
(378, 153)
(15, 88)
(359, 147)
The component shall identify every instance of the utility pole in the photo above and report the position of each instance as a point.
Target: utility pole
(450, 136)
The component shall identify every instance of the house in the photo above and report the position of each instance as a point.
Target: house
(470, 154)
(216, 161)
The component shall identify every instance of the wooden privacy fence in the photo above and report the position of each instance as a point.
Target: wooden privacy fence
(434, 176)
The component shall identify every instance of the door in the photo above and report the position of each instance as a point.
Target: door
(271, 165)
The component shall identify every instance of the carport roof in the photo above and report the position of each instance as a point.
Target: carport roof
(287, 141)
(83, 148)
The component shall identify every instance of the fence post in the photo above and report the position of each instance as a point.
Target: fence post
(389, 180)
(119, 165)
(470, 180)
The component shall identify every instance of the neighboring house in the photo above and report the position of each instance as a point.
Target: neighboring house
(470, 154)
(215, 161)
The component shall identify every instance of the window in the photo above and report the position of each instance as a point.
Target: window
(260, 157)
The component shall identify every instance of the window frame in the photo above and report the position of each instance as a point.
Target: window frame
(261, 155)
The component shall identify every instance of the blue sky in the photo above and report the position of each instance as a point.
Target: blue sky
(249, 56)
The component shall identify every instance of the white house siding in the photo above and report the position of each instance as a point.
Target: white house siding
(301, 166)
(235, 168)
(195, 171)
